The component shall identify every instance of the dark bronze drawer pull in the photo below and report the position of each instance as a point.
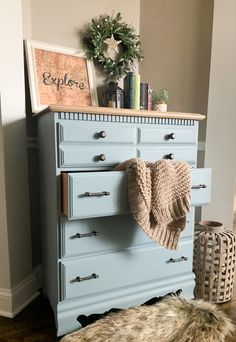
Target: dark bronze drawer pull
(183, 258)
(97, 194)
(79, 235)
(92, 276)
(170, 156)
(172, 136)
(102, 157)
(102, 134)
(199, 186)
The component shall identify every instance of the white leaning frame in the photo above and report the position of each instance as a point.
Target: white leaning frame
(30, 46)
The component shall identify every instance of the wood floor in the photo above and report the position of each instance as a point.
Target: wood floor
(33, 324)
(36, 323)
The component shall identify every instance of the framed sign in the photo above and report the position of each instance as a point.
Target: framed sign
(59, 76)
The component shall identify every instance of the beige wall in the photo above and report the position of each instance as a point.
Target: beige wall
(26, 18)
(59, 22)
(64, 21)
(221, 123)
(176, 38)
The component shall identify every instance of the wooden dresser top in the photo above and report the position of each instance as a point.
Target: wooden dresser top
(124, 112)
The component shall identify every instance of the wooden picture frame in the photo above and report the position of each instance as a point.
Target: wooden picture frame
(59, 76)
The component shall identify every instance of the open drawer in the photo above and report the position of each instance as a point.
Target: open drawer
(94, 194)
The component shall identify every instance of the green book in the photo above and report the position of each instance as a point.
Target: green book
(129, 90)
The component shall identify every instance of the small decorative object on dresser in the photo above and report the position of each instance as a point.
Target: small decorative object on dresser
(160, 100)
(59, 76)
(113, 96)
(113, 44)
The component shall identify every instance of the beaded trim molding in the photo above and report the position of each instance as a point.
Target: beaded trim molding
(124, 119)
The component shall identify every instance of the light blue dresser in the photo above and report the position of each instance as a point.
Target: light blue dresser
(95, 257)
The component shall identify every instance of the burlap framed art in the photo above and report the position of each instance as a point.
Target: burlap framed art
(59, 76)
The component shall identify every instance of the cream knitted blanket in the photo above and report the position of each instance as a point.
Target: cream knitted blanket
(159, 196)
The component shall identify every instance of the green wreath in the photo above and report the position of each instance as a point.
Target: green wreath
(112, 33)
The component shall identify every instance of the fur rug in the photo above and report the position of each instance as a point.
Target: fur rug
(174, 319)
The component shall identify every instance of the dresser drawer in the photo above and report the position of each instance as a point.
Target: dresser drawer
(181, 153)
(170, 135)
(91, 275)
(95, 132)
(99, 235)
(106, 234)
(93, 194)
(93, 155)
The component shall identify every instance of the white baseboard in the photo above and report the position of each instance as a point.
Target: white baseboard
(5, 303)
(12, 301)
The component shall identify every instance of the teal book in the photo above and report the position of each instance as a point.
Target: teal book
(129, 90)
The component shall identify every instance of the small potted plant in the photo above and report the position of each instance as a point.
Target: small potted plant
(160, 100)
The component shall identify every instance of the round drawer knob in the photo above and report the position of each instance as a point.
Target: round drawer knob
(170, 156)
(102, 157)
(172, 136)
(102, 134)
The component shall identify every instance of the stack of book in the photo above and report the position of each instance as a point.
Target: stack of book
(137, 95)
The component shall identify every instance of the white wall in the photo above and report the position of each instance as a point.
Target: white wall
(14, 207)
(221, 122)
(5, 281)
